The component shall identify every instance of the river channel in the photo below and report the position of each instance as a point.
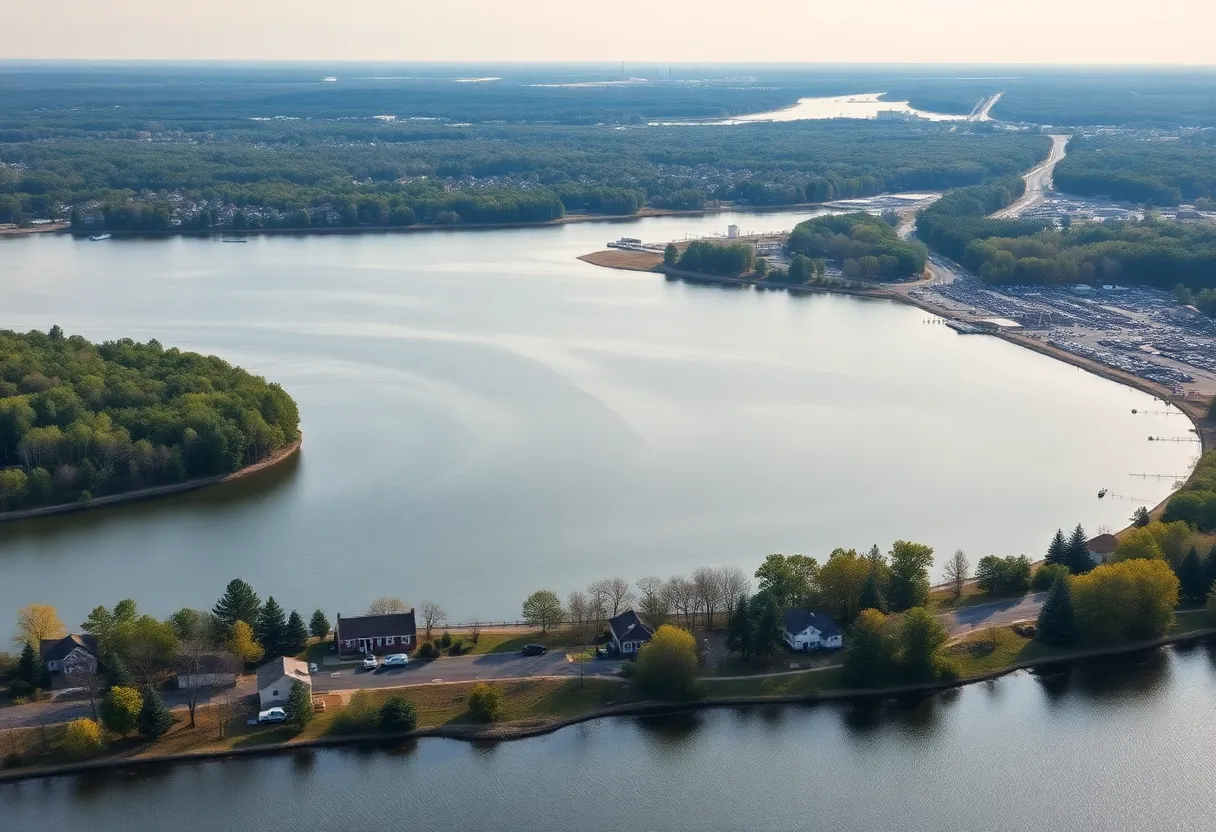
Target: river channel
(485, 415)
(1123, 745)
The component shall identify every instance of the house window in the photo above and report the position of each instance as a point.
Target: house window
(405, 639)
(390, 640)
(274, 693)
(379, 642)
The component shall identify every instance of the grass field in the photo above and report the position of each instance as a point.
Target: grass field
(791, 685)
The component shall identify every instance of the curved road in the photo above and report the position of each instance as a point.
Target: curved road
(1038, 181)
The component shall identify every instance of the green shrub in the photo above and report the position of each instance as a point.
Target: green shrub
(12, 760)
(1048, 574)
(428, 650)
(398, 714)
(458, 648)
(360, 716)
(629, 670)
(445, 640)
(20, 689)
(485, 703)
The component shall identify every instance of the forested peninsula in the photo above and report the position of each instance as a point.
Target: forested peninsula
(79, 420)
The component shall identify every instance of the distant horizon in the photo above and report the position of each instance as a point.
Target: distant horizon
(953, 32)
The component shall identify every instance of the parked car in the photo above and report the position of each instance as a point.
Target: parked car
(533, 649)
(396, 660)
(370, 662)
(272, 715)
(602, 652)
(312, 668)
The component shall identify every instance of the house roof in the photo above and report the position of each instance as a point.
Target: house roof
(377, 626)
(629, 626)
(798, 620)
(275, 670)
(1103, 544)
(56, 650)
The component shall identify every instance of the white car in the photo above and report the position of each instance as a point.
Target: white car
(272, 715)
(396, 660)
(370, 662)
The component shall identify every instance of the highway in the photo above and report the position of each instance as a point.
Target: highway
(1038, 181)
(983, 111)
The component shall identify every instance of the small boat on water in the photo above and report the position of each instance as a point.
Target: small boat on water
(234, 241)
(1101, 493)
(96, 237)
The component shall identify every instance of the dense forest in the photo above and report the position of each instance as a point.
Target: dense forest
(960, 217)
(398, 174)
(1158, 171)
(726, 260)
(171, 147)
(866, 246)
(79, 420)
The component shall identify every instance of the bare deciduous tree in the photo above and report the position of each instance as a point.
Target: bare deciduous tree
(733, 583)
(709, 592)
(432, 614)
(684, 600)
(956, 571)
(578, 607)
(597, 600)
(92, 684)
(225, 707)
(198, 665)
(655, 601)
(614, 594)
(385, 605)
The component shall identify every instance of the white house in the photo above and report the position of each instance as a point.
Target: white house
(807, 631)
(275, 679)
(75, 653)
(629, 632)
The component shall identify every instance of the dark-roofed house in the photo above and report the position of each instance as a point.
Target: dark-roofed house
(75, 653)
(812, 631)
(276, 677)
(1102, 547)
(629, 632)
(395, 632)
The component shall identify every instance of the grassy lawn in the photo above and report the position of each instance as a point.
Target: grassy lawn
(979, 653)
(1188, 620)
(733, 665)
(943, 600)
(491, 642)
(792, 685)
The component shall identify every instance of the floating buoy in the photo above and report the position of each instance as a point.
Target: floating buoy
(1134, 410)
(1101, 493)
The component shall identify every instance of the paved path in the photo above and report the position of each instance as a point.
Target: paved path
(65, 710)
(1038, 181)
(966, 619)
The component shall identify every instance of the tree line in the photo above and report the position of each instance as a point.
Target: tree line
(78, 420)
(865, 245)
(1139, 168)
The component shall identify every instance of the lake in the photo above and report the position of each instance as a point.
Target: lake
(484, 415)
(1126, 744)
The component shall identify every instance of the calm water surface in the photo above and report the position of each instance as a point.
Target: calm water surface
(1122, 747)
(485, 415)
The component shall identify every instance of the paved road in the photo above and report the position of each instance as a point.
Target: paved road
(459, 669)
(984, 111)
(65, 710)
(1038, 181)
(962, 621)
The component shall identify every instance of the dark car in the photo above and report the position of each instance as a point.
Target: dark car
(533, 649)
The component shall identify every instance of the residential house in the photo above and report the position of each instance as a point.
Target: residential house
(1102, 547)
(207, 672)
(394, 632)
(629, 632)
(275, 679)
(75, 653)
(805, 631)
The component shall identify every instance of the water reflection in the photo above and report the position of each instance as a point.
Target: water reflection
(670, 733)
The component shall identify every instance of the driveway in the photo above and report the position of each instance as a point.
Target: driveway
(460, 669)
(961, 621)
(65, 710)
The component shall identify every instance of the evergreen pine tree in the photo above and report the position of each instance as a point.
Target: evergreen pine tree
(1057, 552)
(1057, 626)
(1193, 578)
(114, 672)
(31, 669)
(154, 718)
(299, 706)
(768, 633)
(740, 629)
(238, 603)
(318, 627)
(1209, 567)
(271, 629)
(295, 637)
(1079, 561)
(871, 594)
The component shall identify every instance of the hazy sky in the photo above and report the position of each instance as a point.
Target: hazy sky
(920, 31)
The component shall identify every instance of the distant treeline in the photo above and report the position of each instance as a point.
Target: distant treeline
(961, 217)
(866, 246)
(79, 420)
(1159, 172)
(711, 258)
(348, 174)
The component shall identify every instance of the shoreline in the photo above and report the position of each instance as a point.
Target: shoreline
(528, 730)
(421, 228)
(1193, 409)
(156, 491)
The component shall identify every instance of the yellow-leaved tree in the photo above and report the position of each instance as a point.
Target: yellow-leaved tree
(83, 739)
(1126, 600)
(667, 664)
(243, 645)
